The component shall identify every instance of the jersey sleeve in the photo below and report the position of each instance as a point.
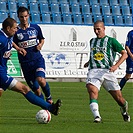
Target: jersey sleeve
(117, 47)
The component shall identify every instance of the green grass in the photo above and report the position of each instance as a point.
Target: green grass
(18, 116)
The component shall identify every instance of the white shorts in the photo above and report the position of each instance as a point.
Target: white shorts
(98, 77)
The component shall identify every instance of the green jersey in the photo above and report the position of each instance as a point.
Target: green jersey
(103, 52)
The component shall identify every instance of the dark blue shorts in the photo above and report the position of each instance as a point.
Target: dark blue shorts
(129, 67)
(32, 70)
(5, 81)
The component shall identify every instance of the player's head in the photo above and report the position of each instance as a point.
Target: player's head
(9, 26)
(23, 15)
(99, 29)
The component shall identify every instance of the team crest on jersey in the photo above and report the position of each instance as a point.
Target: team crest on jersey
(32, 33)
(99, 56)
(20, 36)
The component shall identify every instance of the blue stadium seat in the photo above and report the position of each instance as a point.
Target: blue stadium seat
(75, 8)
(96, 9)
(77, 19)
(73, 2)
(131, 3)
(123, 2)
(53, 1)
(128, 19)
(93, 2)
(46, 18)
(118, 20)
(108, 20)
(83, 2)
(125, 10)
(32, 1)
(116, 10)
(43, 1)
(97, 17)
(35, 18)
(67, 18)
(56, 17)
(87, 19)
(44, 8)
(113, 2)
(85, 9)
(12, 6)
(54, 8)
(103, 2)
(23, 4)
(106, 10)
(63, 1)
(34, 7)
(65, 8)
(23, 1)
(3, 16)
(3, 7)
(14, 15)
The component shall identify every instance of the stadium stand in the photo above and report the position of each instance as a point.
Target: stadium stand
(46, 18)
(118, 20)
(3, 16)
(67, 18)
(62, 11)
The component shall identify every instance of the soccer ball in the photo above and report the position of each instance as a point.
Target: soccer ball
(43, 116)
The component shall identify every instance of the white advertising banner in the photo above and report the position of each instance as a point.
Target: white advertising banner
(66, 49)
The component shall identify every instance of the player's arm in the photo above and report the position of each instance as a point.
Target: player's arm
(40, 44)
(120, 61)
(20, 50)
(129, 52)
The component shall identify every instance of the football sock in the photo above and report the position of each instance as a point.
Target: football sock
(94, 107)
(125, 107)
(32, 98)
(46, 91)
(122, 82)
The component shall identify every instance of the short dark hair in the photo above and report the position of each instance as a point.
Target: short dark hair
(22, 9)
(8, 22)
(98, 21)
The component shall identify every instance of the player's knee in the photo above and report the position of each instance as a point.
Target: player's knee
(41, 81)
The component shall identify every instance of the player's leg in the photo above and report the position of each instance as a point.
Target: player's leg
(40, 77)
(1, 91)
(122, 103)
(93, 95)
(114, 89)
(129, 71)
(124, 80)
(32, 98)
(30, 78)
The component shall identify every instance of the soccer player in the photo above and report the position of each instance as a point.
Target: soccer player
(101, 68)
(129, 60)
(29, 37)
(9, 27)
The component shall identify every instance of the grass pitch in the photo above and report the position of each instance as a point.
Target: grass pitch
(17, 115)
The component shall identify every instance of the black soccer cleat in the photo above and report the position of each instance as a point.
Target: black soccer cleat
(56, 107)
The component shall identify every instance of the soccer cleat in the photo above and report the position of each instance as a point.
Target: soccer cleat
(56, 107)
(97, 119)
(126, 117)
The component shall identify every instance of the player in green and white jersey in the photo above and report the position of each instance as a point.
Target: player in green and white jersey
(101, 70)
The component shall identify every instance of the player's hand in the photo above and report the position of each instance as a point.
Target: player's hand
(39, 47)
(22, 51)
(113, 68)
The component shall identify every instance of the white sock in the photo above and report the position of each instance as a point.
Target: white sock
(95, 109)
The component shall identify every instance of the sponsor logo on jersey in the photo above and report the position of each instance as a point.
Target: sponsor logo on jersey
(98, 56)
(28, 43)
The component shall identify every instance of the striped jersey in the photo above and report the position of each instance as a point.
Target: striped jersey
(103, 52)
